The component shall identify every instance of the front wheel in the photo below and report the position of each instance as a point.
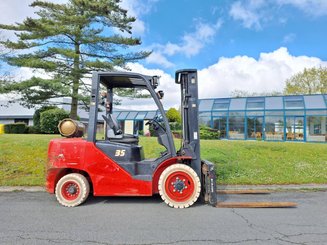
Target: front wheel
(72, 190)
(179, 186)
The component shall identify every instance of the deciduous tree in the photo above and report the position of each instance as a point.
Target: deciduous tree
(309, 81)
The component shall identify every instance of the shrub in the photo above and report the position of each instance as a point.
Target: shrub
(208, 133)
(15, 128)
(50, 119)
(37, 115)
(173, 115)
(32, 130)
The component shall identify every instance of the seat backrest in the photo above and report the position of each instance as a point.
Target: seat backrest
(115, 126)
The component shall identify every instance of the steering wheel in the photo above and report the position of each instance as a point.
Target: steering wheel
(155, 124)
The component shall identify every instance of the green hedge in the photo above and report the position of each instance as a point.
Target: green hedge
(50, 119)
(15, 128)
(37, 117)
(207, 133)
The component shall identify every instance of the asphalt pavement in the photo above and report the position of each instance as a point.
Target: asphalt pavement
(37, 218)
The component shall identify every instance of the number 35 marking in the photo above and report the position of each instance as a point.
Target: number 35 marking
(120, 153)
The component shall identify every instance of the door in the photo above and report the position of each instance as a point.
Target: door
(254, 127)
(294, 128)
(220, 123)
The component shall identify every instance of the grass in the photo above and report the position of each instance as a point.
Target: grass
(23, 157)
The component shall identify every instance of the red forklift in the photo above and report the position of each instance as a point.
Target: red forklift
(115, 165)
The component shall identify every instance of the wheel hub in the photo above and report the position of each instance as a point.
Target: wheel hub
(179, 185)
(72, 189)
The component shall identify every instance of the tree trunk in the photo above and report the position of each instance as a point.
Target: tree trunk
(76, 77)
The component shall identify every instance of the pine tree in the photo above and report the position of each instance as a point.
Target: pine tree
(68, 42)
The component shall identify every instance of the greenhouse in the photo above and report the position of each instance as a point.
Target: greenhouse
(276, 118)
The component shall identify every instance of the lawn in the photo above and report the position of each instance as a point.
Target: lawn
(23, 157)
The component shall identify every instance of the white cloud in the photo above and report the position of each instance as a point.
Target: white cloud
(310, 7)
(248, 12)
(137, 9)
(159, 59)
(266, 74)
(190, 45)
(167, 84)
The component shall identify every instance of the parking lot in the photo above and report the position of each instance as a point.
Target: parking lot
(37, 218)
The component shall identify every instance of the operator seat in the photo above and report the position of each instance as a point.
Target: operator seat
(115, 134)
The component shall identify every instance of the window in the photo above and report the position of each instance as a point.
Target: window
(274, 128)
(150, 115)
(274, 103)
(205, 105)
(222, 104)
(316, 128)
(141, 115)
(255, 103)
(122, 115)
(205, 118)
(131, 115)
(236, 127)
(294, 102)
(314, 102)
(237, 104)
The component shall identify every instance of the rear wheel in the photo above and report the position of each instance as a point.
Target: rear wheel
(72, 190)
(179, 186)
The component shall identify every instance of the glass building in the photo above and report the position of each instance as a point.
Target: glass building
(276, 118)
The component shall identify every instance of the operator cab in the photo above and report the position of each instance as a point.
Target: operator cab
(120, 97)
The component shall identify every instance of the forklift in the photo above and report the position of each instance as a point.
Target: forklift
(115, 165)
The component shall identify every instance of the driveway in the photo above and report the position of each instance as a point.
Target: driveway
(37, 218)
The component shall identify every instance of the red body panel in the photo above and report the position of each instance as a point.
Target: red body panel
(106, 176)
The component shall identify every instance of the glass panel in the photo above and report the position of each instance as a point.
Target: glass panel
(115, 113)
(290, 113)
(205, 118)
(221, 125)
(316, 112)
(314, 102)
(138, 127)
(205, 105)
(220, 106)
(274, 113)
(294, 102)
(255, 103)
(122, 115)
(237, 114)
(237, 104)
(131, 115)
(294, 128)
(254, 113)
(273, 103)
(254, 127)
(217, 114)
(316, 128)
(236, 127)
(140, 115)
(274, 128)
(150, 115)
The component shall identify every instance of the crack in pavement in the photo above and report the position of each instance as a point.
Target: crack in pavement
(283, 237)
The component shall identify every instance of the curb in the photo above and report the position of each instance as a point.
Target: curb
(22, 188)
(320, 187)
(315, 187)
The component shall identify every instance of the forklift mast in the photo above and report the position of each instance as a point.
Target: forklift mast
(188, 80)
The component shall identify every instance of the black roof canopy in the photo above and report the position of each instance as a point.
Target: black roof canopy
(123, 79)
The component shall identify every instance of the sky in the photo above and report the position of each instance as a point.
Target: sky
(251, 45)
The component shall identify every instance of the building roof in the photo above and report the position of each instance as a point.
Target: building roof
(293, 102)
